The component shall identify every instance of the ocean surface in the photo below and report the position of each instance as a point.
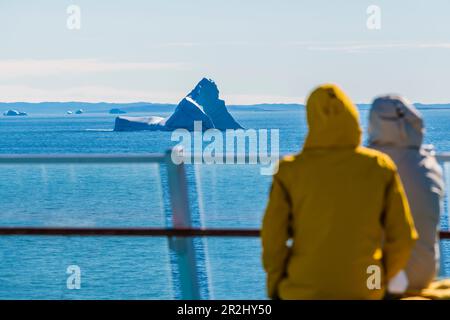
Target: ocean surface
(135, 195)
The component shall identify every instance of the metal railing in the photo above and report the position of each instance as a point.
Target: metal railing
(139, 232)
(443, 157)
(180, 235)
(179, 202)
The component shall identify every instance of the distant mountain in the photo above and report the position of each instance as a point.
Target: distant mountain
(136, 107)
(267, 107)
(432, 106)
(88, 107)
(61, 108)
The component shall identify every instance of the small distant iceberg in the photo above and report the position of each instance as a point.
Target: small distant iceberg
(117, 111)
(79, 111)
(201, 104)
(12, 113)
(69, 112)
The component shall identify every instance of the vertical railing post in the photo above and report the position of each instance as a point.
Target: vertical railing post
(181, 218)
(444, 209)
(441, 260)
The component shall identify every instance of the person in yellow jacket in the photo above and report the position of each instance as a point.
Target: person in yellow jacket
(337, 211)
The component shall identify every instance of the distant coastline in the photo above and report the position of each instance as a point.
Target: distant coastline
(144, 107)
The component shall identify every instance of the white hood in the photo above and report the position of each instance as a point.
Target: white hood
(395, 122)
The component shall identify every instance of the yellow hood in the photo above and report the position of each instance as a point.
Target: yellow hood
(333, 119)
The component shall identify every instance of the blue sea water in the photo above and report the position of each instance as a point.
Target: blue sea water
(134, 195)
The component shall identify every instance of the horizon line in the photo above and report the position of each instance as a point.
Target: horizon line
(175, 104)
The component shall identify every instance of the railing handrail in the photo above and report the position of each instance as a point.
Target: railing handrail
(148, 232)
(130, 231)
(443, 157)
(82, 158)
(119, 158)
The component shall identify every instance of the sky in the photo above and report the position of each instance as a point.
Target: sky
(257, 51)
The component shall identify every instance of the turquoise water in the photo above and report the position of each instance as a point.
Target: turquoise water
(134, 195)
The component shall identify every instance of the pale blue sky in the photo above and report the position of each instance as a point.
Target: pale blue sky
(256, 50)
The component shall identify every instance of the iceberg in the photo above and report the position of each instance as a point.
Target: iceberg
(79, 111)
(201, 104)
(139, 123)
(14, 113)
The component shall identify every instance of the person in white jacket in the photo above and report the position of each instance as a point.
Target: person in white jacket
(396, 128)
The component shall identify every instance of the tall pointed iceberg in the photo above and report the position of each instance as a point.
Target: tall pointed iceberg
(201, 104)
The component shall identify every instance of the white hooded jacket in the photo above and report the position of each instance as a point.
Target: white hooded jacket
(396, 128)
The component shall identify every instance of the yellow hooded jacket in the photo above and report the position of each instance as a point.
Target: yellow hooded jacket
(342, 205)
